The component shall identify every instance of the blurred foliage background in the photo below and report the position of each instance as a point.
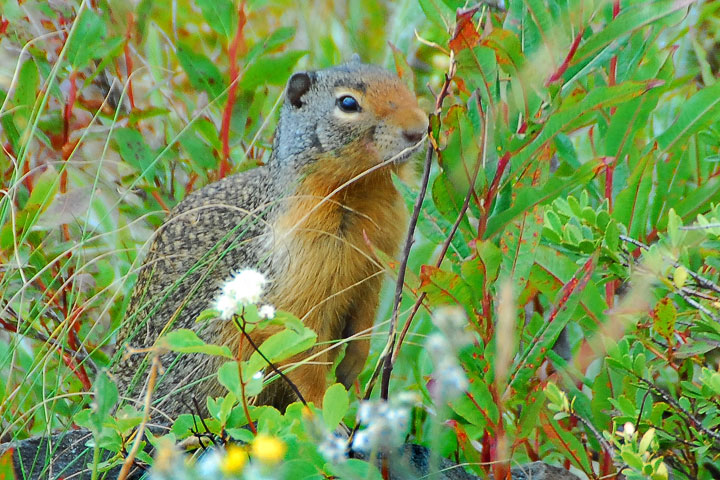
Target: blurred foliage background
(574, 189)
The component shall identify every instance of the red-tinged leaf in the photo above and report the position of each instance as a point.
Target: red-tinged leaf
(520, 239)
(402, 68)
(508, 49)
(567, 441)
(466, 444)
(563, 67)
(664, 316)
(564, 306)
(574, 114)
(443, 287)
(7, 471)
(551, 271)
(466, 34)
(477, 405)
(519, 243)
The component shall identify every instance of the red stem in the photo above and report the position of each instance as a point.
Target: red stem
(67, 113)
(128, 59)
(566, 63)
(232, 93)
(159, 199)
(492, 192)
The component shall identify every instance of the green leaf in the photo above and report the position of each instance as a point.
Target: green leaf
(354, 469)
(135, 151)
(631, 203)
(201, 71)
(467, 405)
(572, 115)
(564, 305)
(271, 70)
(631, 18)
(208, 314)
(569, 442)
(44, 190)
(280, 346)
(221, 15)
(186, 341)
(104, 399)
(696, 113)
(528, 197)
(277, 38)
(335, 405)
(438, 13)
(89, 33)
(200, 153)
(229, 377)
(25, 94)
(478, 67)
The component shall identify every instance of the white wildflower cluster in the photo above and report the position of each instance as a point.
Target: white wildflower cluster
(333, 448)
(443, 347)
(267, 312)
(385, 423)
(244, 288)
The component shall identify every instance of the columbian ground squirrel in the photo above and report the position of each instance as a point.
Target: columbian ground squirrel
(305, 220)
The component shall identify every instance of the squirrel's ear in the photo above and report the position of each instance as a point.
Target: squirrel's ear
(355, 58)
(297, 86)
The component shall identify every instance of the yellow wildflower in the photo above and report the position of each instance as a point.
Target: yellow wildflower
(235, 459)
(267, 449)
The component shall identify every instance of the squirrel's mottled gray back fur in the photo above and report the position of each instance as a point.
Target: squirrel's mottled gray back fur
(228, 225)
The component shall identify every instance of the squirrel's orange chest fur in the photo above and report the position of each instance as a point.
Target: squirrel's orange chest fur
(325, 241)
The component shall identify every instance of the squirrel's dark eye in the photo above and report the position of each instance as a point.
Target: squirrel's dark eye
(348, 104)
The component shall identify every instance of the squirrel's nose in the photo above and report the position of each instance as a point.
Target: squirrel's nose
(414, 132)
(413, 136)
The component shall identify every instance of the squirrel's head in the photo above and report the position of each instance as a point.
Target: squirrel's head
(352, 107)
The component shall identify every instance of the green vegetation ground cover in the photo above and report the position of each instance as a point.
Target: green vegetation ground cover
(574, 188)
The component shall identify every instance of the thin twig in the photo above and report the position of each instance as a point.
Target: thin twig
(700, 280)
(700, 227)
(598, 436)
(696, 422)
(448, 240)
(392, 332)
(292, 386)
(140, 433)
